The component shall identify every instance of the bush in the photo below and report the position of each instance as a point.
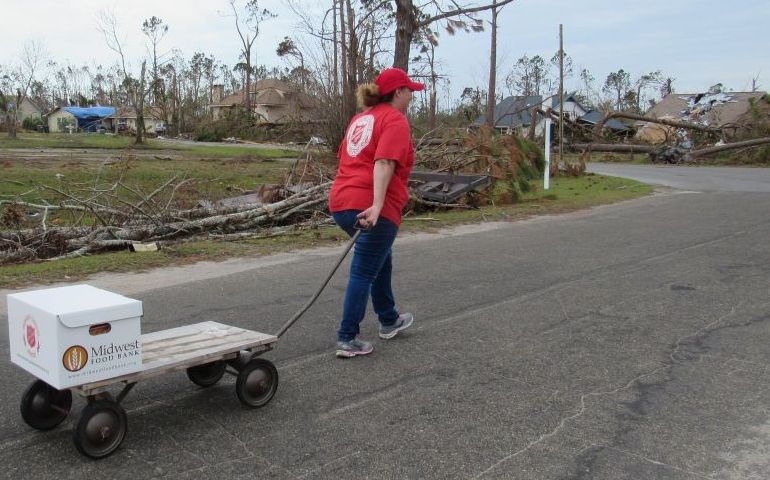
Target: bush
(210, 133)
(32, 123)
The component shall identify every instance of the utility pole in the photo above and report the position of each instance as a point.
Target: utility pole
(561, 94)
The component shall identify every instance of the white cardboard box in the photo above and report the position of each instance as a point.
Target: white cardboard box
(70, 336)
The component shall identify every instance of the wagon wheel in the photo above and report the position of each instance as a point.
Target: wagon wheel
(101, 428)
(257, 383)
(207, 374)
(44, 407)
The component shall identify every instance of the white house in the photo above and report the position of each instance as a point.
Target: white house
(85, 119)
(573, 110)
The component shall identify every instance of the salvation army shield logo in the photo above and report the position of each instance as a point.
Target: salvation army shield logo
(31, 335)
(359, 134)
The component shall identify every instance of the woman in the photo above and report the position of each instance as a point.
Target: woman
(369, 192)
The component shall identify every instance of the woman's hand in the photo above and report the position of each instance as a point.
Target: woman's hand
(368, 218)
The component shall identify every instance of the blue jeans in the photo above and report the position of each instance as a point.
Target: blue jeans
(370, 273)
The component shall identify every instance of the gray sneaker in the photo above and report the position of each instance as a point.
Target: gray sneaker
(354, 347)
(403, 322)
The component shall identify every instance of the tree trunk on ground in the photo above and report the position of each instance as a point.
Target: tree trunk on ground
(730, 146)
(610, 147)
(597, 130)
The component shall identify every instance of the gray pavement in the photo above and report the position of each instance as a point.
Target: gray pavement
(629, 341)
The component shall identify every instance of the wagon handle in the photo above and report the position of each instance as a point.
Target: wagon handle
(323, 285)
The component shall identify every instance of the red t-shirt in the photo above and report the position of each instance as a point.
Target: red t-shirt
(380, 133)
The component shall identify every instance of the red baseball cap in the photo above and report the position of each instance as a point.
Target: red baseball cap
(392, 78)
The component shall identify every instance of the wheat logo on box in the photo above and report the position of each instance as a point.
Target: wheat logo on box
(75, 358)
(31, 335)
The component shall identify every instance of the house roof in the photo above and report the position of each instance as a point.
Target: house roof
(513, 111)
(130, 112)
(89, 113)
(272, 92)
(594, 116)
(553, 101)
(708, 108)
(33, 103)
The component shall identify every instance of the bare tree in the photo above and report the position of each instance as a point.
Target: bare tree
(107, 24)
(528, 76)
(154, 29)
(643, 82)
(15, 85)
(247, 27)
(667, 87)
(618, 84)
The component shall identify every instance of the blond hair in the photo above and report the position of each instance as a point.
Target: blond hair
(368, 95)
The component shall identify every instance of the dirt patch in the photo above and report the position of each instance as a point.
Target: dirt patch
(47, 156)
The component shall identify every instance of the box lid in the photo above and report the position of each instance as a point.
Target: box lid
(80, 305)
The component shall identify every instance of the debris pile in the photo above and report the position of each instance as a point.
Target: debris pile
(700, 104)
(487, 168)
(77, 219)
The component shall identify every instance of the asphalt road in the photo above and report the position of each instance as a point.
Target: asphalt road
(625, 342)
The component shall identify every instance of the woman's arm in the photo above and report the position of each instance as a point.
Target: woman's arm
(383, 173)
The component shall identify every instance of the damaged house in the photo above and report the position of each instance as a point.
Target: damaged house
(714, 108)
(513, 115)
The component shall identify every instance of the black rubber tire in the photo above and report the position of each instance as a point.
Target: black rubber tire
(207, 374)
(257, 383)
(44, 407)
(101, 429)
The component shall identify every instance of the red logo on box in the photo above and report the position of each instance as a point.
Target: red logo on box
(31, 336)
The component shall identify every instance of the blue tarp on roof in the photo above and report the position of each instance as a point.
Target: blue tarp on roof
(90, 112)
(89, 118)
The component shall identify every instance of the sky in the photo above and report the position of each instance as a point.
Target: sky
(697, 42)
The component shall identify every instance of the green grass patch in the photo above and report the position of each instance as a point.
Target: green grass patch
(31, 140)
(75, 140)
(233, 151)
(210, 179)
(566, 194)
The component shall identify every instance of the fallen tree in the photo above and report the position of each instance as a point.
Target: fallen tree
(597, 130)
(665, 153)
(68, 219)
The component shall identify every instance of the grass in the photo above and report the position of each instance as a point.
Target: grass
(31, 140)
(75, 140)
(565, 195)
(214, 178)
